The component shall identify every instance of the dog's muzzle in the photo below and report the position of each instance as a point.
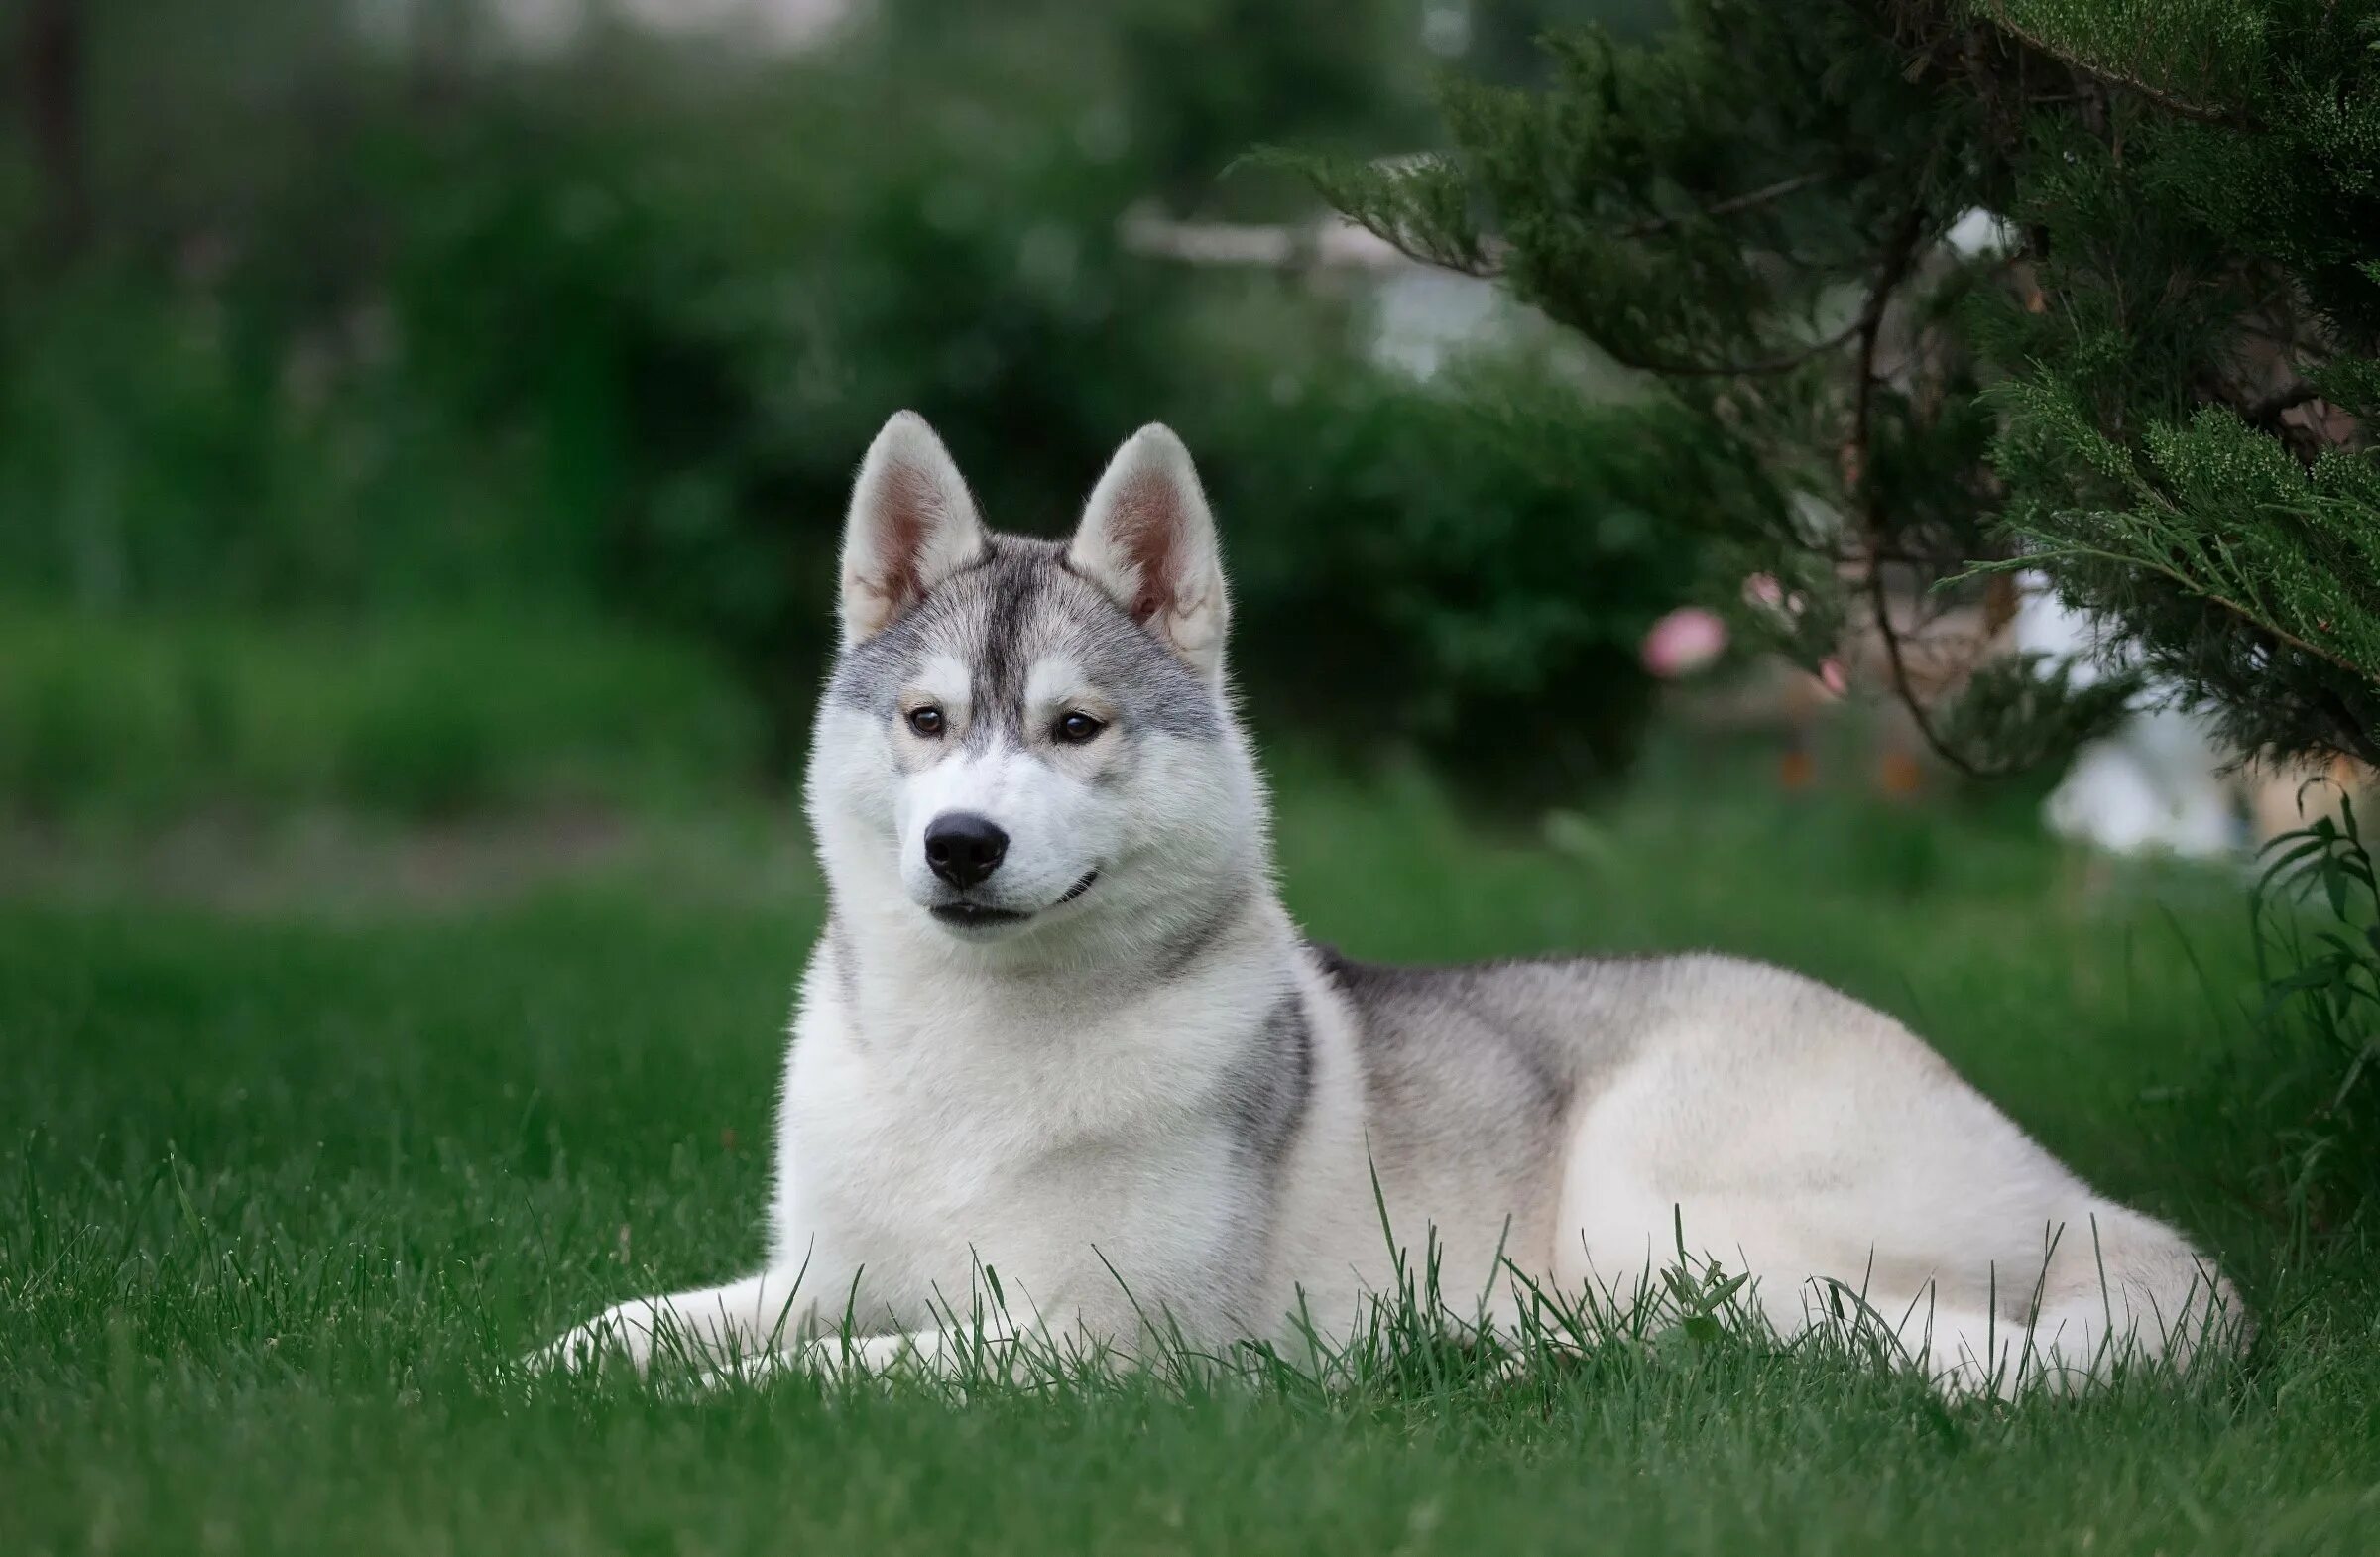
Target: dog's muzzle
(983, 915)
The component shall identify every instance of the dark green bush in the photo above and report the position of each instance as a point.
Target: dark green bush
(1461, 572)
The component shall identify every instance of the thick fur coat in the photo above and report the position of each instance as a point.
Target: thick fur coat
(1061, 1029)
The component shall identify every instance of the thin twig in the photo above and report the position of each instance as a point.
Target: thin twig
(1728, 207)
(1490, 262)
(1725, 370)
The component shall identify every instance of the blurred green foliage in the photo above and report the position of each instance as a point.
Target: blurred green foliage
(1463, 570)
(369, 325)
(423, 715)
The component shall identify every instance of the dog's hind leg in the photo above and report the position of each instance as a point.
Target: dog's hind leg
(1813, 1147)
(2121, 1292)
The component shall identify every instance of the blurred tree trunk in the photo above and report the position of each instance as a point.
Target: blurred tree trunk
(54, 105)
(442, 50)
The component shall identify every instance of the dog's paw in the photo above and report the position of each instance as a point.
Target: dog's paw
(748, 1371)
(578, 1350)
(950, 1362)
(612, 1338)
(859, 1357)
(831, 1365)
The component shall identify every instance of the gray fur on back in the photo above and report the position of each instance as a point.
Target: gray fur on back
(1490, 1056)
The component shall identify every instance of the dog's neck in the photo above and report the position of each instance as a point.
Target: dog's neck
(895, 972)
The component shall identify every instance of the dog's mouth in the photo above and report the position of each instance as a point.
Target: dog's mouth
(983, 915)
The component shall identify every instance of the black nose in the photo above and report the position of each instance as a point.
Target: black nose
(964, 847)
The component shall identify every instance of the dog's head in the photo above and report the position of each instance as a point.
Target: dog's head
(1022, 742)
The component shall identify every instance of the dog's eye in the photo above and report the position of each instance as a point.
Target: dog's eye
(1073, 729)
(926, 721)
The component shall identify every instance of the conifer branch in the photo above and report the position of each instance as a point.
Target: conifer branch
(1765, 196)
(2193, 588)
(2137, 337)
(1730, 370)
(2205, 113)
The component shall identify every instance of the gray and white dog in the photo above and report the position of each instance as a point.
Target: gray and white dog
(1060, 1027)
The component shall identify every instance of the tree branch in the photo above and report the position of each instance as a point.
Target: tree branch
(2192, 587)
(57, 109)
(1900, 254)
(1728, 370)
(2205, 113)
(1491, 261)
(1765, 196)
(1487, 267)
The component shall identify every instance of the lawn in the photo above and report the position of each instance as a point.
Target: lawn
(290, 1173)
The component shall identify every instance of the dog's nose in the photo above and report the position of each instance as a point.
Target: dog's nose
(963, 848)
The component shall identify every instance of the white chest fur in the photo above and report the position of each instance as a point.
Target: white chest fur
(1082, 1149)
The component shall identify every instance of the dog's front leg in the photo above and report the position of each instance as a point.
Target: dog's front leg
(928, 1353)
(933, 1354)
(709, 1326)
(973, 1356)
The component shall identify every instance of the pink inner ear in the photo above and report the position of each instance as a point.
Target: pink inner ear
(1147, 528)
(900, 539)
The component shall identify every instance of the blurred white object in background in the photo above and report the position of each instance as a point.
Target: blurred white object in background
(2157, 782)
(1980, 232)
(541, 29)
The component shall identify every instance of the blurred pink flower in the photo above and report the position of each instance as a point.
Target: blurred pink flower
(1764, 590)
(1688, 640)
(1830, 677)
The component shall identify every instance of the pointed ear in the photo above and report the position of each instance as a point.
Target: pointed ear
(1148, 540)
(912, 526)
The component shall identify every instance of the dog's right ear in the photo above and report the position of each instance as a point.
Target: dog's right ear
(912, 526)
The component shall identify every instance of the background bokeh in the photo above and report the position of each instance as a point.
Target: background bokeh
(424, 433)
(399, 394)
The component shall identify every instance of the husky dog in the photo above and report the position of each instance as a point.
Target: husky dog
(1059, 1028)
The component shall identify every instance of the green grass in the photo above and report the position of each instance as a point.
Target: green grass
(282, 1192)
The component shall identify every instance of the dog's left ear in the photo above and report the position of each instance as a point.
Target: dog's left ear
(1148, 540)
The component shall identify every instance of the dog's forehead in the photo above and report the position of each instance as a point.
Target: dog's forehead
(1019, 609)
